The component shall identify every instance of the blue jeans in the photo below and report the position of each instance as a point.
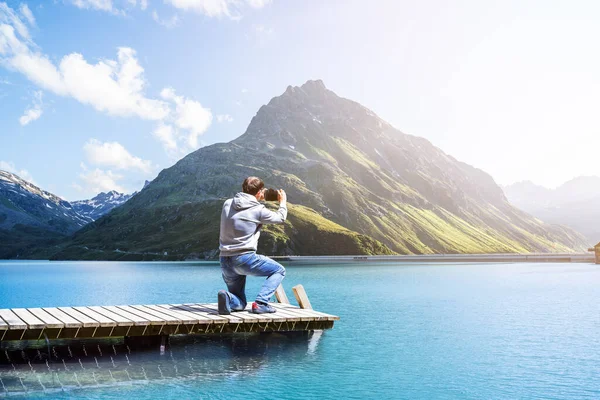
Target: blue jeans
(236, 268)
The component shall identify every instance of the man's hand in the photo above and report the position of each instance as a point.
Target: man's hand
(281, 196)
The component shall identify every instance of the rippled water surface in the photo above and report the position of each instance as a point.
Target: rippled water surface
(442, 331)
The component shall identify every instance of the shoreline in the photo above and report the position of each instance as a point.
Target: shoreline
(413, 258)
(428, 258)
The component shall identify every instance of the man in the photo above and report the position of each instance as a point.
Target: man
(241, 220)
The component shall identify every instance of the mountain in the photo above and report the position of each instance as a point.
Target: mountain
(574, 203)
(96, 207)
(344, 167)
(31, 216)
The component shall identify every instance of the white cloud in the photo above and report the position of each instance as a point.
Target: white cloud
(9, 18)
(33, 112)
(167, 23)
(166, 135)
(22, 173)
(210, 8)
(30, 115)
(115, 87)
(103, 5)
(216, 8)
(117, 7)
(189, 116)
(244, 91)
(258, 3)
(224, 118)
(97, 180)
(112, 86)
(113, 154)
(27, 14)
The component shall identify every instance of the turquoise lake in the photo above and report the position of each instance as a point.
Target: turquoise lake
(407, 331)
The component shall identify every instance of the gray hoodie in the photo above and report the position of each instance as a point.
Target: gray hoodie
(241, 220)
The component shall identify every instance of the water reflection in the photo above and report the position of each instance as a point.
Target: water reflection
(60, 366)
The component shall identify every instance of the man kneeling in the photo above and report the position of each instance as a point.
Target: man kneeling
(241, 220)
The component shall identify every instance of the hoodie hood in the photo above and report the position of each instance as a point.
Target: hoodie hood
(242, 201)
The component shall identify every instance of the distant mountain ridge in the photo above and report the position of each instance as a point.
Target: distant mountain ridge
(101, 204)
(347, 168)
(32, 218)
(21, 202)
(575, 203)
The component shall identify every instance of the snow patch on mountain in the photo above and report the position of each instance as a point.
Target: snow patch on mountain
(24, 203)
(103, 203)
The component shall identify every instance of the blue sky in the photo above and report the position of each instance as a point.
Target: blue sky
(103, 94)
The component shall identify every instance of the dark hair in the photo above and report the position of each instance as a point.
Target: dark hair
(252, 185)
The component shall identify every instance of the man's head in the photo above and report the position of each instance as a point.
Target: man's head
(253, 185)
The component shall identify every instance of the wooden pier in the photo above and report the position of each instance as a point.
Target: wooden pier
(151, 320)
(159, 320)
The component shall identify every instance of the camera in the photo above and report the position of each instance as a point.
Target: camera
(271, 195)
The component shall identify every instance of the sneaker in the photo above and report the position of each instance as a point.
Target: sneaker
(223, 303)
(261, 308)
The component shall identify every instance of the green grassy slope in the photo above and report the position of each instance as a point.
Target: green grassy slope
(192, 231)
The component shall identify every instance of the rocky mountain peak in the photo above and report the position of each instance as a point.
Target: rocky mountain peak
(100, 204)
(316, 85)
(17, 184)
(311, 87)
(307, 114)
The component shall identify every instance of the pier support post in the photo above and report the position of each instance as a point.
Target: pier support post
(281, 296)
(301, 297)
(163, 343)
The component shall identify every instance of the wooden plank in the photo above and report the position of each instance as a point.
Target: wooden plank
(49, 320)
(13, 321)
(292, 316)
(65, 318)
(281, 296)
(301, 297)
(89, 318)
(309, 312)
(260, 317)
(152, 319)
(315, 316)
(214, 311)
(119, 319)
(137, 320)
(184, 319)
(266, 317)
(245, 316)
(3, 325)
(217, 319)
(198, 319)
(31, 320)
(300, 311)
(248, 316)
(171, 319)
